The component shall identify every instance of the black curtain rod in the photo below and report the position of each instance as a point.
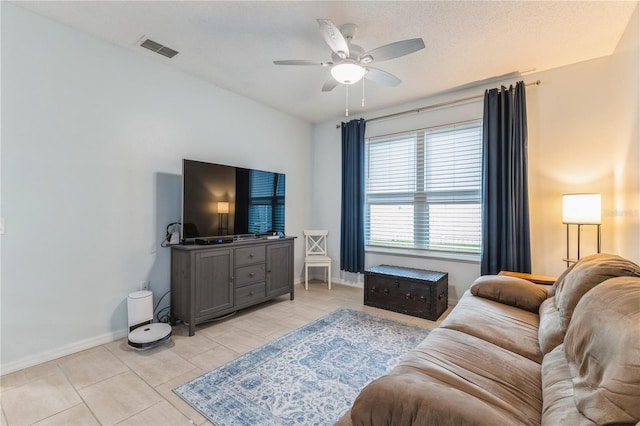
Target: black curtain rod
(439, 105)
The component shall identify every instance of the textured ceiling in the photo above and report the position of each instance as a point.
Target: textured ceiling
(233, 43)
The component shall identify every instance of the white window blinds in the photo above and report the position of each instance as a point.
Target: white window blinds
(266, 201)
(423, 189)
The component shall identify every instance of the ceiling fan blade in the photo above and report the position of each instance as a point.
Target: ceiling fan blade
(334, 38)
(329, 85)
(302, 62)
(395, 50)
(382, 77)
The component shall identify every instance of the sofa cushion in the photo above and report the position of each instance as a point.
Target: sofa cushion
(510, 291)
(587, 273)
(558, 405)
(602, 347)
(550, 334)
(454, 378)
(552, 290)
(503, 325)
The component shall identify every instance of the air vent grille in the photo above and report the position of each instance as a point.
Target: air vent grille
(159, 48)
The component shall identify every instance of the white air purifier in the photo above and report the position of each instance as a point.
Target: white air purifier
(143, 332)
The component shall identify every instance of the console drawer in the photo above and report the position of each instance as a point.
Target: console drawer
(249, 294)
(250, 255)
(250, 274)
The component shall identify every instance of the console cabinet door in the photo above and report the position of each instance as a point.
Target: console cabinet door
(279, 269)
(214, 282)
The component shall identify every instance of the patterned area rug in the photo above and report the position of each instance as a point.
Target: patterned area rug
(310, 376)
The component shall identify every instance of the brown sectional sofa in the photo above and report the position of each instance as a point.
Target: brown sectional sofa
(515, 353)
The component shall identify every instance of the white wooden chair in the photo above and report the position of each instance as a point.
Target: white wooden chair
(316, 254)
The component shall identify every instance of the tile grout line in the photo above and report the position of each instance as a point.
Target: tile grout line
(76, 390)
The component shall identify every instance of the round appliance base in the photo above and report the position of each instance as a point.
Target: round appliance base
(149, 336)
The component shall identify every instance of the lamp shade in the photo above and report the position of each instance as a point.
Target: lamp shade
(347, 72)
(585, 209)
(223, 207)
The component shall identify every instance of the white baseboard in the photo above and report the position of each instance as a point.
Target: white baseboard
(56, 353)
(92, 342)
(337, 281)
(347, 283)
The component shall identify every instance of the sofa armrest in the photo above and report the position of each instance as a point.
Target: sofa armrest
(510, 290)
(534, 278)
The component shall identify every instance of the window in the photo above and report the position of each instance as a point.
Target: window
(266, 202)
(423, 189)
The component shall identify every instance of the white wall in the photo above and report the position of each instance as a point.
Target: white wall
(583, 137)
(625, 207)
(92, 141)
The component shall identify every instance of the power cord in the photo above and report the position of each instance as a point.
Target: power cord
(166, 317)
(171, 229)
(163, 316)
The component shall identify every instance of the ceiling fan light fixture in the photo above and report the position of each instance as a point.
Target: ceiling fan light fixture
(348, 72)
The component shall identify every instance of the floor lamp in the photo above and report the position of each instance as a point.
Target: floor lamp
(581, 210)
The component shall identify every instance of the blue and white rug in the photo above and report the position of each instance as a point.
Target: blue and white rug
(310, 376)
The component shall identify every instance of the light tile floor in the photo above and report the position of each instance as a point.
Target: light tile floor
(114, 385)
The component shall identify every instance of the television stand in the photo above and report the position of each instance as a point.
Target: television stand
(208, 281)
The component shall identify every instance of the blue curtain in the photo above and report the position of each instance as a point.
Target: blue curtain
(505, 198)
(352, 220)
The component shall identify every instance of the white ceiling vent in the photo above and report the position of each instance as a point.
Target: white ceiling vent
(158, 48)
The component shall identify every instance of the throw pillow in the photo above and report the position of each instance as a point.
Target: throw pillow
(512, 291)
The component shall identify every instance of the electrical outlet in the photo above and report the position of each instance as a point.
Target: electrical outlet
(144, 285)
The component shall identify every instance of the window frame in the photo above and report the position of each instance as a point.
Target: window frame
(420, 197)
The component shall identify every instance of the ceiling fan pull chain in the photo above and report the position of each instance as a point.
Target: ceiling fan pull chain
(346, 111)
(363, 93)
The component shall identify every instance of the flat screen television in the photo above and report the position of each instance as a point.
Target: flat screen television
(226, 201)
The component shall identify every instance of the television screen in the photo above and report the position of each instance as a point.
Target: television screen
(220, 200)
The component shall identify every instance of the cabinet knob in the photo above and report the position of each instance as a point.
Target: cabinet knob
(250, 293)
(408, 295)
(423, 299)
(251, 255)
(251, 274)
(386, 291)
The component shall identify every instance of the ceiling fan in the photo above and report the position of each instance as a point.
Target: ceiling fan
(350, 62)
